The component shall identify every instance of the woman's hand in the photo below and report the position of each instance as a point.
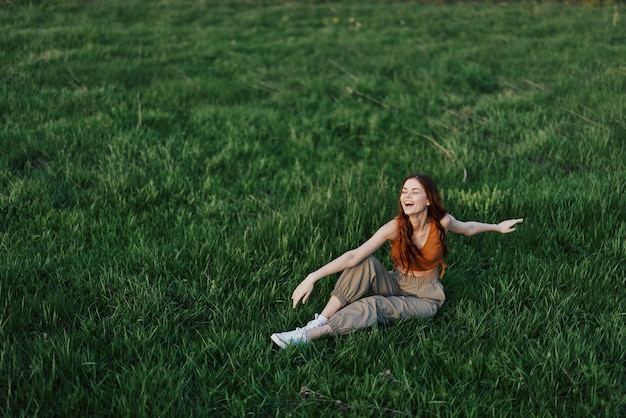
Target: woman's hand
(303, 291)
(507, 226)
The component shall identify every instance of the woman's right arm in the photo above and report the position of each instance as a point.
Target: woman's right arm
(346, 260)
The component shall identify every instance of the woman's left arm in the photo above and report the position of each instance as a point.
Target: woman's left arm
(472, 228)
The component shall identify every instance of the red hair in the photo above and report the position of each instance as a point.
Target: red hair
(406, 254)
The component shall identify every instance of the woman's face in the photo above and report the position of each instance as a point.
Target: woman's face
(413, 197)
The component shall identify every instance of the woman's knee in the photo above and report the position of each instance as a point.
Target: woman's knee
(368, 263)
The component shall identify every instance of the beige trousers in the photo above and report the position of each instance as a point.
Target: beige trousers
(393, 296)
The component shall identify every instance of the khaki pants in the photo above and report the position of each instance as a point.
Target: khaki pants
(393, 296)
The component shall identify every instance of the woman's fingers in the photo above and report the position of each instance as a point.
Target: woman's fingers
(301, 293)
(507, 226)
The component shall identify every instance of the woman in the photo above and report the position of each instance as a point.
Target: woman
(412, 290)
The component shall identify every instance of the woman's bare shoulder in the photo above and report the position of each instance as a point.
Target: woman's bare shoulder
(390, 230)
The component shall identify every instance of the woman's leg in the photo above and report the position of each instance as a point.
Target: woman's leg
(332, 306)
(372, 310)
(421, 298)
(367, 276)
(314, 333)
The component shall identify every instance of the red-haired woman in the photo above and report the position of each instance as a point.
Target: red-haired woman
(412, 290)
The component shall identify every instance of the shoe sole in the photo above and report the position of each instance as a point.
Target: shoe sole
(278, 341)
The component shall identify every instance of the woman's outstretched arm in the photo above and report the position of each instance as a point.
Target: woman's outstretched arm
(472, 228)
(346, 260)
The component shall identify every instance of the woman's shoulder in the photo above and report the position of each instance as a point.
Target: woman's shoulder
(390, 229)
(446, 221)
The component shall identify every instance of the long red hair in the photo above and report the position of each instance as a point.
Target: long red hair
(406, 254)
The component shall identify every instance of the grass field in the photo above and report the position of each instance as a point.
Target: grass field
(171, 170)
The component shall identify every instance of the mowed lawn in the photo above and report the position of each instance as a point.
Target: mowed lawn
(171, 170)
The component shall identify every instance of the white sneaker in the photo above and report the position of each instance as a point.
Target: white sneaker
(295, 337)
(317, 322)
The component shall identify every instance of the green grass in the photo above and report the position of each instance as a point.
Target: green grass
(170, 171)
